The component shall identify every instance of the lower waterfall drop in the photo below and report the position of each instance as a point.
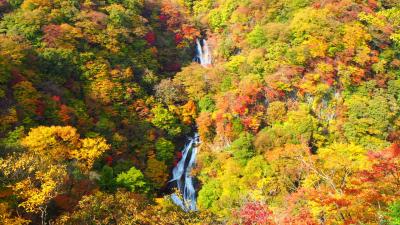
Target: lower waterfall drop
(181, 174)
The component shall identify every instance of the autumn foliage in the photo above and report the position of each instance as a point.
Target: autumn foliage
(298, 115)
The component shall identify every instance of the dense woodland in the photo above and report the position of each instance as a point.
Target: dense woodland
(298, 115)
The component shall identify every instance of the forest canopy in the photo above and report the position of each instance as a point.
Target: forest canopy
(297, 111)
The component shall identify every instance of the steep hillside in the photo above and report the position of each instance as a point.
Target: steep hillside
(296, 103)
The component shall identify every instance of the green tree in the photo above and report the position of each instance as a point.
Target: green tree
(107, 180)
(257, 37)
(242, 148)
(133, 180)
(166, 121)
(165, 150)
(157, 172)
(394, 213)
(369, 119)
(209, 193)
(207, 104)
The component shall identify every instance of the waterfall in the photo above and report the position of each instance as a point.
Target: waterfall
(203, 54)
(206, 53)
(181, 174)
(184, 180)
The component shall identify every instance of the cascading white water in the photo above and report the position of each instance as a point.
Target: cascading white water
(182, 175)
(206, 53)
(203, 54)
(199, 52)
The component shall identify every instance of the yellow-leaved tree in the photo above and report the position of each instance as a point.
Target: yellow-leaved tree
(7, 218)
(49, 157)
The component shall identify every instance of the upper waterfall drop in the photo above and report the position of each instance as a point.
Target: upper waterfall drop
(203, 53)
(182, 175)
